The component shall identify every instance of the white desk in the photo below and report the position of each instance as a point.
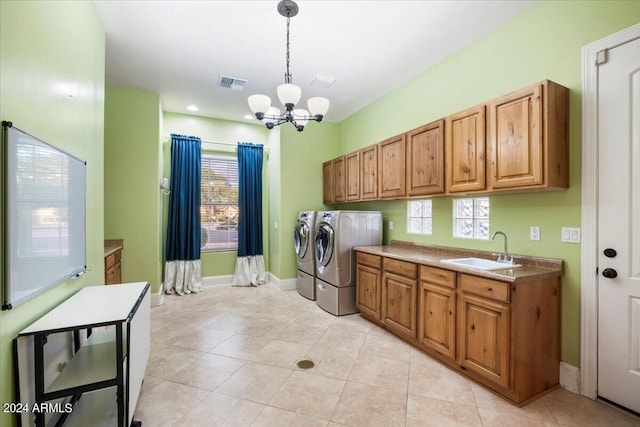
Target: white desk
(105, 374)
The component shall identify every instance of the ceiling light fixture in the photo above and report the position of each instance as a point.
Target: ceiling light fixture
(288, 93)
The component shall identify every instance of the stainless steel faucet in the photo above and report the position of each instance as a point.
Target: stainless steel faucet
(503, 257)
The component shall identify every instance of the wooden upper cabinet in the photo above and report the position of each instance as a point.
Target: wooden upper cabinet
(425, 160)
(352, 163)
(339, 180)
(465, 148)
(391, 167)
(327, 182)
(528, 138)
(369, 173)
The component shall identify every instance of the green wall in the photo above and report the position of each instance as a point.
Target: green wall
(219, 263)
(301, 158)
(132, 155)
(543, 43)
(41, 44)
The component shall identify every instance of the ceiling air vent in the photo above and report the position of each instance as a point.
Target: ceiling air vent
(232, 83)
(322, 81)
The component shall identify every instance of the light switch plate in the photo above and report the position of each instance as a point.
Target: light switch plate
(570, 235)
(390, 225)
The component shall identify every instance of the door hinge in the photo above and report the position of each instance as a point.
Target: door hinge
(602, 57)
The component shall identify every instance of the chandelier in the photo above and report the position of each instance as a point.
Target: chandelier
(288, 93)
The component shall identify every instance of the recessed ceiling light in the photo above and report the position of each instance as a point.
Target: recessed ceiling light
(192, 108)
(248, 117)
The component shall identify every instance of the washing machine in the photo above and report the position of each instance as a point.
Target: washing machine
(303, 245)
(337, 233)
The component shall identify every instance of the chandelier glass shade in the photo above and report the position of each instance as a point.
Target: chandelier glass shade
(289, 94)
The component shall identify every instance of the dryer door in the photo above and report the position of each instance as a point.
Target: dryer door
(324, 244)
(301, 239)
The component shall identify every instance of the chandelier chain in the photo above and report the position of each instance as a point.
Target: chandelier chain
(287, 76)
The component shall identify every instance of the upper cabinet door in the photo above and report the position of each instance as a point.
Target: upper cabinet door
(369, 173)
(465, 147)
(352, 162)
(425, 160)
(515, 135)
(528, 138)
(339, 180)
(391, 167)
(327, 182)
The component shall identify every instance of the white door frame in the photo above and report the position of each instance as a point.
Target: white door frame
(591, 54)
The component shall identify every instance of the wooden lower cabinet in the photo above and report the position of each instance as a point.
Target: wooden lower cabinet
(113, 268)
(503, 335)
(368, 290)
(399, 303)
(484, 338)
(437, 317)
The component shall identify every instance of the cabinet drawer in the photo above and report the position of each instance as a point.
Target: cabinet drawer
(438, 276)
(370, 260)
(484, 287)
(109, 261)
(403, 268)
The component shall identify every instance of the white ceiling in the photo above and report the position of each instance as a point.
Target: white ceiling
(179, 48)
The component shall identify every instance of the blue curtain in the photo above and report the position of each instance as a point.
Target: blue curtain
(250, 199)
(183, 229)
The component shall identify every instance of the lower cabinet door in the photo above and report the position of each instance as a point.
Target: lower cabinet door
(437, 318)
(484, 338)
(399, 304)
(368, 290)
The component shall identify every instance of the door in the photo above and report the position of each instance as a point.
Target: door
(399, 303)
(464, 147)
(352, 162)
(619, 226)
(368, 290)
(327, 183)
(484, 338)
(324, 245)
(425, 160)
(391, 167)
(369, 173)
(437, 317)
(339, 180)
(301, 239)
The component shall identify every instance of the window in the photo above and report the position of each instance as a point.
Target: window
(471, 218)
(219, 203)
(419, 217)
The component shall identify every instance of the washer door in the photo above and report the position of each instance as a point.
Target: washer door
(301, 239)
(324, 244)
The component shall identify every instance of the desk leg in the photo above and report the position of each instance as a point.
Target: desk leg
(120, 376)
(39, 341)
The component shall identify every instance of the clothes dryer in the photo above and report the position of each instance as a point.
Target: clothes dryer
(337, 233)
(303, 245)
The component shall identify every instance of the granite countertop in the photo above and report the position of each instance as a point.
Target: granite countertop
(111, 246)
(533, 268)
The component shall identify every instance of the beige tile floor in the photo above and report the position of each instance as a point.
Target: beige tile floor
(227, 357)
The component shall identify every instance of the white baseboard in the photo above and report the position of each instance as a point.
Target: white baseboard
(156, 299)
(570, 377)
(217, 280)
(282, 284)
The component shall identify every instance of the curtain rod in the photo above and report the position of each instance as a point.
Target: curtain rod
(233, 144)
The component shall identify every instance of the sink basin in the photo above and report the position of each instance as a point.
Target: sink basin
(480, 263)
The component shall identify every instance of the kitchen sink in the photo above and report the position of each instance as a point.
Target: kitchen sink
(480, 263)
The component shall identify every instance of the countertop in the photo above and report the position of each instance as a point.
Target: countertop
(111, 246)
(533, 268)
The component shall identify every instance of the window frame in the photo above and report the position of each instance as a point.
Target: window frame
(475, 217)
(231, 244)
(423, 217)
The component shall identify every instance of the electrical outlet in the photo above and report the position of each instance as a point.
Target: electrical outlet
(570, 235)
(534, 233)
(390, 225)
(275, 225)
